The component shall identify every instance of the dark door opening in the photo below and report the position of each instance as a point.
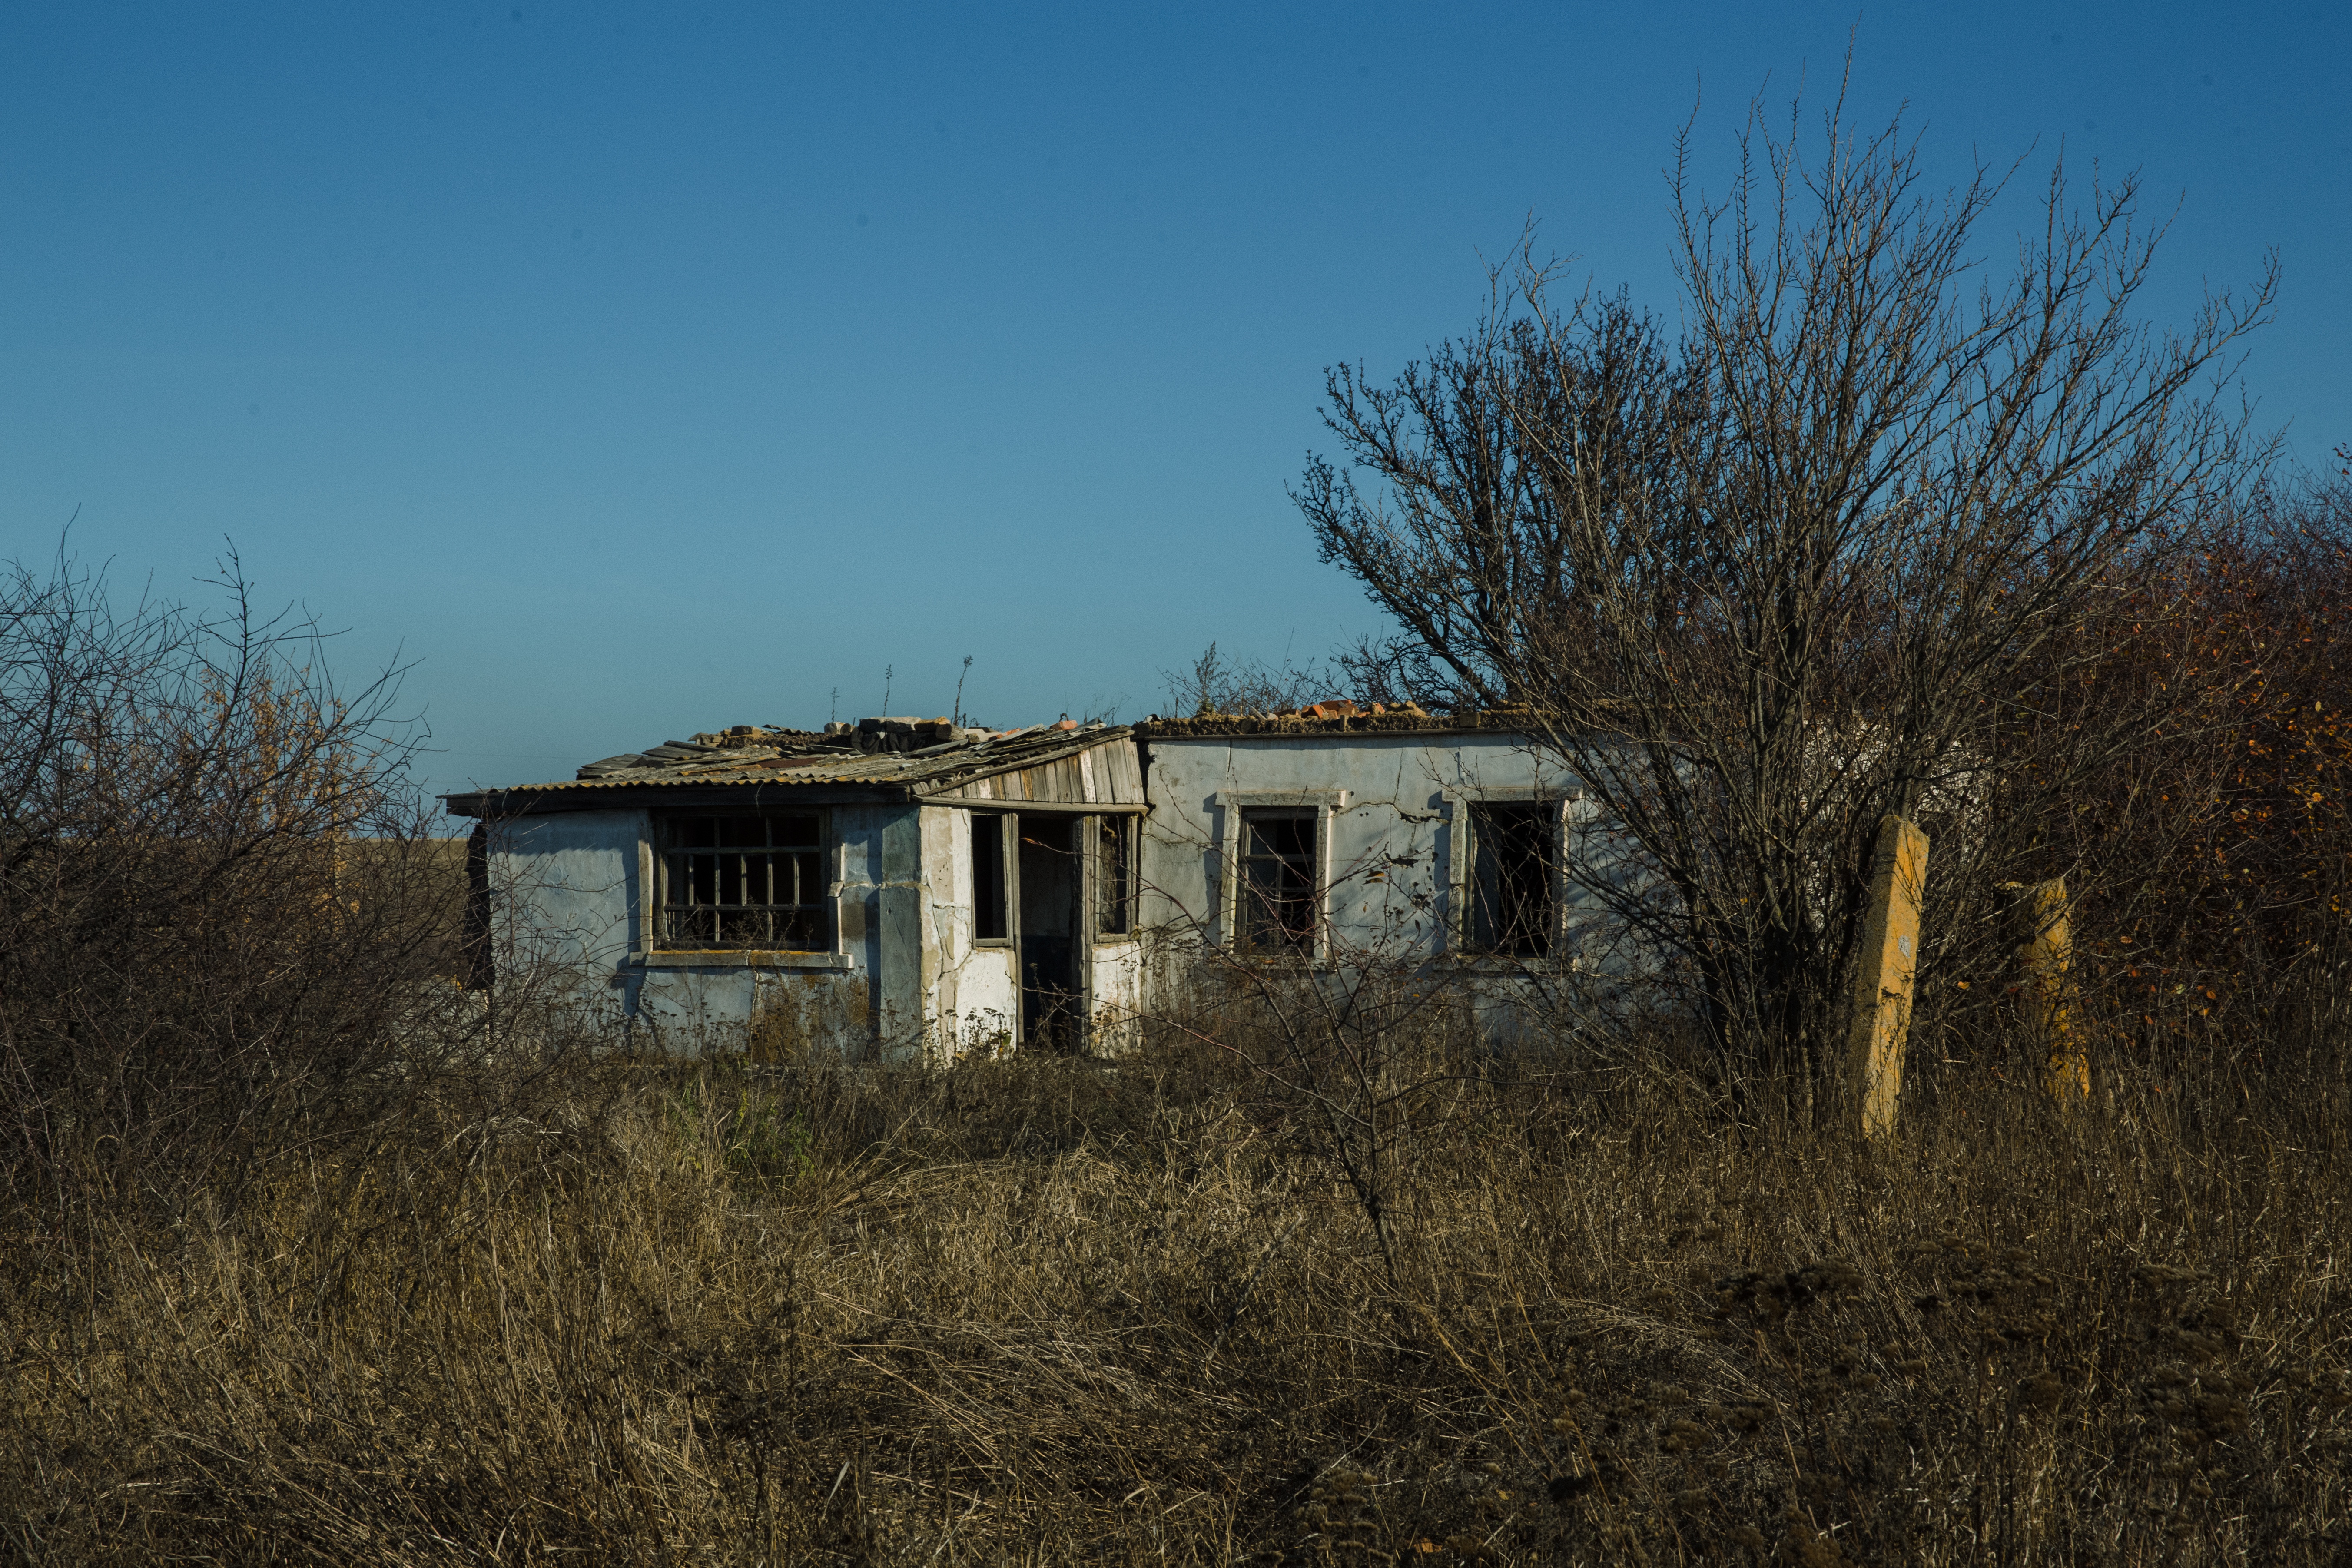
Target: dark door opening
(1048, 933)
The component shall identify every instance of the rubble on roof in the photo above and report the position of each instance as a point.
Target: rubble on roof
(752, 744)
(871, 751)
(1340, 716)
(899, 749)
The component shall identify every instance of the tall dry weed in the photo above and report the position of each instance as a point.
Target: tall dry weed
(1072, 1313)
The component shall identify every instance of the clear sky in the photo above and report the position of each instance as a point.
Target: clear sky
(643, 369)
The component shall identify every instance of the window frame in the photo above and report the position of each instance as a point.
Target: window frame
(1008, 874)
(1524, 940)
(1460, 807)
(1128, 828)
(1233, 807)
(1256, 850)
(657, 844)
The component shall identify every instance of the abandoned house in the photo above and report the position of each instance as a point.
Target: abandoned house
(911, 890)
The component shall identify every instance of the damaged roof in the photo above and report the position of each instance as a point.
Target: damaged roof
(1336, 719)
(919, 756)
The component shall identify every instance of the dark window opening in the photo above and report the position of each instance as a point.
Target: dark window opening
(745, 882)
(1278, 892)
(988, 877)
(1115, 877)
(1515, 849)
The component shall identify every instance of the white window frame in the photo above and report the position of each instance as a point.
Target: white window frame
(1461, 874)
(1327, 805)
(1008, 877)
(1095, 936)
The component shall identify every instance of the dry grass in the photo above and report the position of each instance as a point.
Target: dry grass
(1055, 1312)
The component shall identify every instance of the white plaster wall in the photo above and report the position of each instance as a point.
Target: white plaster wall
(562, 888)
(1394, 889)
(1389, 859)
(974, 1000)
(566, 906)
(1118, 993)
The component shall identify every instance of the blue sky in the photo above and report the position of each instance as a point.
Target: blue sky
(638, 370)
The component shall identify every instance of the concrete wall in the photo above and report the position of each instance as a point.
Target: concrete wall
(563, 889)
(1120, 992)
(568, 901)
(975, 1004)
(1395, 848)
(1392, 803)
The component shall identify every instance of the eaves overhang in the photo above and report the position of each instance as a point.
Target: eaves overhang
(813, 778)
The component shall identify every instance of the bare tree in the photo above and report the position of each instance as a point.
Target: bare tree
(1822, 555)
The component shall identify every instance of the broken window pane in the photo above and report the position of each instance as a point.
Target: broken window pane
(1278, 894)
(987, 876)
(1514, 847)
(1115, 877)
(746, 880)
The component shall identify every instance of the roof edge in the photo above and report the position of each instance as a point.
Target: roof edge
(1352, 726)
(522, 800)
(946, 774)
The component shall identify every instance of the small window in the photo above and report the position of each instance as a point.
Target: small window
(1115, 877)
(988, 901)
(745, 882)
(1515, 847)
(1278, 891)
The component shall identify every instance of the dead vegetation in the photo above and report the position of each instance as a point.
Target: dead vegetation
(1045, 1312)
(307, 1255)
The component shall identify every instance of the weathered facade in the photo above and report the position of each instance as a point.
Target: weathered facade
(1420, 836)
(825, 885)
(909, 890)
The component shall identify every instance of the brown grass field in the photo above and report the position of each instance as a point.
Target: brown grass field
(1059, 1311)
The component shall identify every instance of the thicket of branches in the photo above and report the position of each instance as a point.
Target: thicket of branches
(2222, 846)
(1878, 528)
(217, 894)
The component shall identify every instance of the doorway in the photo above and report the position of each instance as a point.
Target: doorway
(1048, 933)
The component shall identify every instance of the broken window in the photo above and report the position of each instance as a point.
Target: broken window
(1515, 847)
(987, 902)
(751, 882)
(1115, 877)
(1277, 892)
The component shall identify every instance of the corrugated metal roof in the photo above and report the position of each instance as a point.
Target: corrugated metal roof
(799, 761)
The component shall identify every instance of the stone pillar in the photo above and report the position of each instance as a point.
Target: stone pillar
(2045, 952)
(1888, 964)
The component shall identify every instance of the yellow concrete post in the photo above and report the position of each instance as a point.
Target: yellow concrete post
(2045, 952)
(1883, 979)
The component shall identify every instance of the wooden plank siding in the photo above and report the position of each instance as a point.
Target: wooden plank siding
(1111, 775)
